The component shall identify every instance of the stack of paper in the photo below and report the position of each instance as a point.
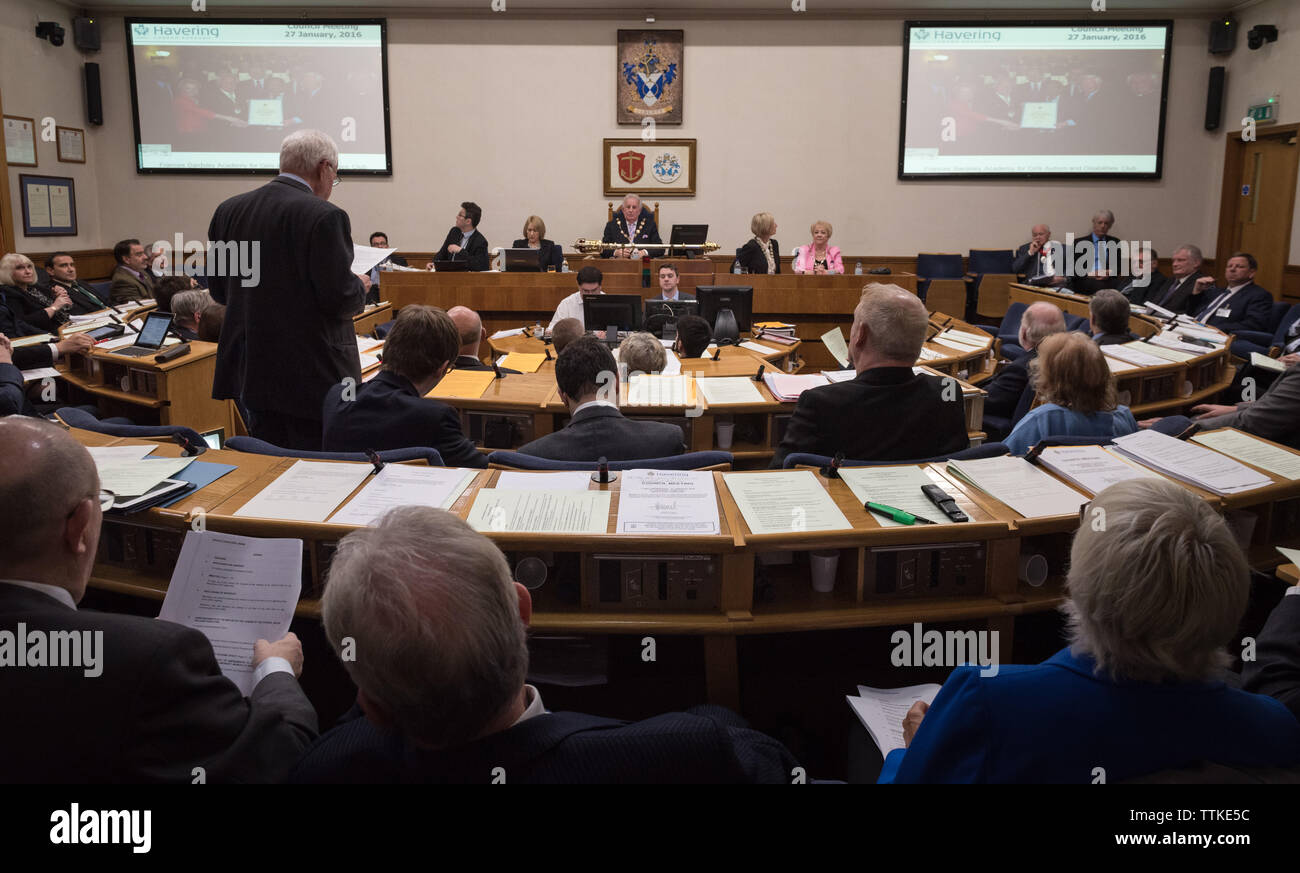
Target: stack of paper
(307, 491)
(1253, 451)
(930, 354)
(1091, 468)
(131, 478)
(786, 502)
(1206, 333)
(1191, 463)
(403, 485)
(502, 334)
(1020, 485)
(1266, 363)
(787, 388)
(758, 347)
(524, 363)
(1133, 353)
(1118, 366)
(497, 510)
(882, 711)
(33, 340)
(658, 390)
(847, 375)
(567, 480)
(729, 390)
(40, 373)
(899, 487)
(674, 502)
(1170, 350)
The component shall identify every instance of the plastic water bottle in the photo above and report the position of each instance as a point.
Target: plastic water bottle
(735, 268)
(566, 267)
(857, 269)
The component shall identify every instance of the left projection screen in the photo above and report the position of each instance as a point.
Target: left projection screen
(219, 96)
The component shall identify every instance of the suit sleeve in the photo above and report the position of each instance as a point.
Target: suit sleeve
(1272, 416)
(11, 390)
(953, 741)
(442, 254)
(453, 445)
(1005, 389)
(189, 715)
(802, 434)
(218, 284)
(607, 235)
(338, 292)
(1276, 668)
(478, 254)
(654, 233)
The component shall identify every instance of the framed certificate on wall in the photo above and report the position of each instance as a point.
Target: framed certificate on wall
(71, 144)
(20, 141)
(49, 205)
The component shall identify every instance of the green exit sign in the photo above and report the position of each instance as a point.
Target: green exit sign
(1263, 113)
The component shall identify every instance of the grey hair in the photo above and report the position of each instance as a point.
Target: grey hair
(432, 611)
(35, 495)
(1110, 216)
(1157, 584)
(642, 351)
(7, 264)
(1049, 320)
(1109, 311)
(302, 150)
(636, 197)
(895, 319)
(1194, 251)
(187, 303)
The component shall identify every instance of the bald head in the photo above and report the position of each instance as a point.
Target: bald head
(888, 328)
(1038, 322)
(470, 328)
(566, 330)
(49, 506)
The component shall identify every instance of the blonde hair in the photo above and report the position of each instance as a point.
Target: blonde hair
(8, 263)
(826, 224)
(643, 352)
(535, 221)
(762, 224)
(1071, 371)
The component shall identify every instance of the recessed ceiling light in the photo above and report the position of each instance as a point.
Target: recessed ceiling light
(649, 19)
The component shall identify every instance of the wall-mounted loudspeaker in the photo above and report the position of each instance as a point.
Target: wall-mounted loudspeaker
(85, 33)
(94, 102)
(1214, 98)
(1223, 35)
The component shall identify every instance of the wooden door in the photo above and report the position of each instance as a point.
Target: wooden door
(1259, 189)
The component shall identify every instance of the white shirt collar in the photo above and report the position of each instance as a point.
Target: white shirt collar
(677, 292)
(534, 708)
(295, 177)
(594, 403)
(60, 594)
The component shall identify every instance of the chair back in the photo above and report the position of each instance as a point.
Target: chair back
(987, 450)
(502, 460)
(73, 417)
(254, 446)
(930, 265)
(990, 261)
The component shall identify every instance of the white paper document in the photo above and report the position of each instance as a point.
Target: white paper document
(1020, 485)
(1292, 555)
(33, 340)
(785, 502)
(1092, 468)
(954, 345)
(502, 511)
(1118, 366)
(846, 375)
(404, 485)
(1266, 363)
(681, 502)
(36, 373)
(127, 478)
(118, 342)
(1134, 353)
(118, 453)
(366, 258)
(649, 390)
(930, 355)
(882, 711)
(761, 349)
(235, 590)
(899, 487)
(502, 334)
(723, 390)
(1253, 451)
(1191, 463)
(785, 387)
(307, 491)
(978, 340)
(564, 480)
(835, 344)
(1165, 348)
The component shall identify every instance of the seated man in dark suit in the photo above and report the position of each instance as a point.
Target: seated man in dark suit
(1276, 668)
(147, 703)
(632, 225)
(390, 411)
(1148, 283)
(132, 281)
(444, 695)
(1040, 260)
(379, 240)
(1096, 257)
(888, 413)
(464, 242)
(1177, 291)
(472, 334)
(668, 280)
(62, 270)
(1274, 416)
(1108, 312)
(1241, 305)
(1039, 321)
(588, 378)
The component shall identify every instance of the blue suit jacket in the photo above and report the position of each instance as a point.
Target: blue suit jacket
(388, 414)
(1248, 309)
(1056, 721)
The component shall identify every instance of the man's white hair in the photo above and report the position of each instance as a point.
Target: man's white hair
(185, 304)
(895, 319)
(1104, 213)
(303, 150)
(432, 611)
(1157, 584)
(1193, 251)
(1039, 321)
(636, 197)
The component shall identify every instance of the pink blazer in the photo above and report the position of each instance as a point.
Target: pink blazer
(803, 260)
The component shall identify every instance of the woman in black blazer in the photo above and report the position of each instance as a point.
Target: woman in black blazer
(752, 255)
(25, 300)
(535, 238)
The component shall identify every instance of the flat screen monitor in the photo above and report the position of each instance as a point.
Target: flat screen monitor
(523, 260)
(688, 234)
(715, 298)
(659, 314)
(599, 311)
(1062, 99)
(219, 95)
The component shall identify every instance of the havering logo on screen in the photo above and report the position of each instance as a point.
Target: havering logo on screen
(172, 30)
(959, 35)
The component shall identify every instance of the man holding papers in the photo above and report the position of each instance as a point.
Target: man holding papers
(588, 379)
(390, 411)
(139, 700)
(1138, 690)
(1274, 416)
(288, 334)
(443, 626)
(887, 413)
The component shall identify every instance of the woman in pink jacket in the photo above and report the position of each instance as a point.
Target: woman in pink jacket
(819, 258)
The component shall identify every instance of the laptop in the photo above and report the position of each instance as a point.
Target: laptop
(523, 260)
(152, 335)
(450, 266)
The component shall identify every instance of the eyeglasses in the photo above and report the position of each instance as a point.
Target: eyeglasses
(337, 179)
(106, 499)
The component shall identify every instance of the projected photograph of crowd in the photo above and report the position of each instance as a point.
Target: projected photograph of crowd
(1034, 103)
(215, 99)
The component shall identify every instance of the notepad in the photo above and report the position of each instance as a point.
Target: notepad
(1264, 362)
(523, 362)
(787, 502)
(1020, 485)
(1253, 451)
(469, 384)
(497, 510)
(899, 487)
(725, 390)
(307, 491)
(403, 485)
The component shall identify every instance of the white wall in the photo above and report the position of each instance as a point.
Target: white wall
(799, 118)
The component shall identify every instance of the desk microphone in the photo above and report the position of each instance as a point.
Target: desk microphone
(172, 354)
(190, 447)
(602, 475)
(832, 470)
(548, 353)
(373, 456)
(717, 353)
(497, 371)
(1191, 431)
(758, 377)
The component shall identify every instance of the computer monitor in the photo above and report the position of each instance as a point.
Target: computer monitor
(600, 311)
(523, 260)
(450, 266)
(688, 234)
(661, 315)
(715, 300)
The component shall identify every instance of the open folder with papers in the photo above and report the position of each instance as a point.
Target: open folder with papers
(1191, 463)
(1020, 485)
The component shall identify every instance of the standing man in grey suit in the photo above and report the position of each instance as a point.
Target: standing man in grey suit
(133, 699)
(288, 335)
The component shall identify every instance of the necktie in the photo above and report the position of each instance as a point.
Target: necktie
(1209, 311)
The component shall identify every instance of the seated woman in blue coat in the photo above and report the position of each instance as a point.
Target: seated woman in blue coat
(1157, 586)
(1077, 391)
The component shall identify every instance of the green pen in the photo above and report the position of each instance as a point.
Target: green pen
(895, 514)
